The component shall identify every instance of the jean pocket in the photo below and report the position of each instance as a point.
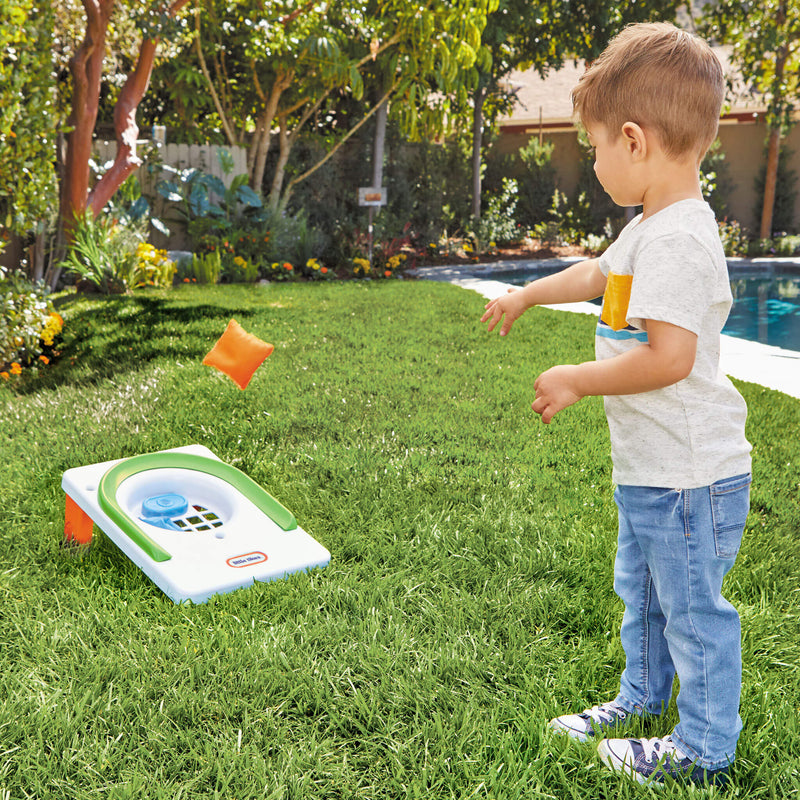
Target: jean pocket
(730, 502)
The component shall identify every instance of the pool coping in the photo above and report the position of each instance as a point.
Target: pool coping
(767, 365)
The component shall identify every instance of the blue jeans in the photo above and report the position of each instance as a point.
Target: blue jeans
(675, 547)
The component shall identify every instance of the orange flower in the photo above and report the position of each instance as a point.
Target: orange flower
(4, 375)
(387, 273)
(44, 359)
(324, 270)
(16, 369)
(287, 265)
(186, 280)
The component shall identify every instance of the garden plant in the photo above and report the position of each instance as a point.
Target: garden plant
(469, 594)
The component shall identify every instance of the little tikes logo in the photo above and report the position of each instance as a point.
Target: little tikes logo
(247, 559)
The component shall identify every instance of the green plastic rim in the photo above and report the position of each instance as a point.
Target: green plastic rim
(113, 478)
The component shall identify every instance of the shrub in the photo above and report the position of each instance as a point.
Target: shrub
(715, 181)
(595, 244)
(318, 272)
(207, 267)
(294, 240)
(280, 271)
(574, 218)
(780, 246)
(113, 258)
(733, 237)
(151, 267)
(100, 254)
(29, 327)
(785, 192)
(537, 181)
(498, 221)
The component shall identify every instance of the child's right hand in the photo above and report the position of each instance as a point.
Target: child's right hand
(509, 308)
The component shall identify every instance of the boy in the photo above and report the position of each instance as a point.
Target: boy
(650, 105)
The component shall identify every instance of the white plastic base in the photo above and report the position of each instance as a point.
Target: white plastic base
(205, 558)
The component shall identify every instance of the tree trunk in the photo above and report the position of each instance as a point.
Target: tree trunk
(774, 141)
(266, 119)
(37, 257)
(280, 167)
(381, 118)
(87, 73)
(477, 141)
(770, 183)
(86, 67)
(125, 129)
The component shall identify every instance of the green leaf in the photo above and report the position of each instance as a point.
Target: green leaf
(245, 195)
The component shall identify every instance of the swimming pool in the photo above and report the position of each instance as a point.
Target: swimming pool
(766, 298)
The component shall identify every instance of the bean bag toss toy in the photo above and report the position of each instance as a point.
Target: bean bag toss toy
(193, 524)
(238, 354)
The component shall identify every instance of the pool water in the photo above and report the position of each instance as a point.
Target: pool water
(766, 301)
(766, 309)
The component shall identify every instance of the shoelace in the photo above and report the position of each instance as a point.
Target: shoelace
(605, 713)
(655, 749)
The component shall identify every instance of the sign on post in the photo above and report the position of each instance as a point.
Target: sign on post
(372, 196)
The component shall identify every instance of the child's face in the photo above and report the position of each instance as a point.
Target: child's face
(613, 165)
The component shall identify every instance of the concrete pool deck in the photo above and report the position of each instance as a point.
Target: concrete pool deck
(773, 367)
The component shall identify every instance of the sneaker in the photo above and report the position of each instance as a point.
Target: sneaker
(589, 723)
(651, 760)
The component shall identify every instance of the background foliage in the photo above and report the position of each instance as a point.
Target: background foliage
(28, 118)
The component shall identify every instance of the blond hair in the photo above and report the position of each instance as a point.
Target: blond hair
(660, 77)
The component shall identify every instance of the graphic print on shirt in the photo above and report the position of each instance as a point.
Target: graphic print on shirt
(613, 323)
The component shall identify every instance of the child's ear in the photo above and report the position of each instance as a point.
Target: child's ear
(635, 140)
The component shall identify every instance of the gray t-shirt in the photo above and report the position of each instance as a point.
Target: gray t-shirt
(671, 267)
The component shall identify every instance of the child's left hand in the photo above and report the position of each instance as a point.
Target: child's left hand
(555, 390)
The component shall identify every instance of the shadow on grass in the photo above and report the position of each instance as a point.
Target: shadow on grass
(107, 336)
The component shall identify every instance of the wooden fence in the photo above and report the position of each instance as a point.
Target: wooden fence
(204, 157)
(184, 156)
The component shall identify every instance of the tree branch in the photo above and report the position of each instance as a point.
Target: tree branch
(125, 127)
(289, 18)
(330, 154)
(214, 96)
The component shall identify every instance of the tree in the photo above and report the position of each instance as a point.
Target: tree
(521, 36)
(279, 65)
(766, 48)
(86, 68)
(28, 183)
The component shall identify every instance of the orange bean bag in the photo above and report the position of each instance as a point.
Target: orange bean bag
(238, 354)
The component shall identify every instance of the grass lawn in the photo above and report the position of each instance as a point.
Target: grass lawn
(468, 600)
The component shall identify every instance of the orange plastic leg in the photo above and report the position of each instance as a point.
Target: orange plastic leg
(77, 524)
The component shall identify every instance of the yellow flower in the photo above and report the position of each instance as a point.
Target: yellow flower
(16, 369)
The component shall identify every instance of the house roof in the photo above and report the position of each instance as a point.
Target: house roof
(546, 101)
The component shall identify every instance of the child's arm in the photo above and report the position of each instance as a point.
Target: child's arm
(581, 281)
(667, 358)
